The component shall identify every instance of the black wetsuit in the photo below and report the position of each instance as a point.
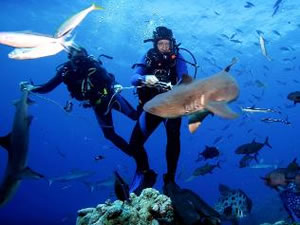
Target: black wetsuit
(166, 71)
(97, 90)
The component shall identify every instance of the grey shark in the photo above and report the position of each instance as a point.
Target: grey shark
(197, 98)
(71, 176)
(16, 144)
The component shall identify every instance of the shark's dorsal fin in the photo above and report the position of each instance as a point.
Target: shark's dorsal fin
(253, 141)
(221, 109)
(5, 141)
(186, 79)
(29, 173)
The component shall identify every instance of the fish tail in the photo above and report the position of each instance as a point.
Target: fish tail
(218, 165)
(96, 7)
(70, 43)
(267, 142)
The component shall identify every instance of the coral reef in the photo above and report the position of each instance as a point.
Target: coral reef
(147, 209)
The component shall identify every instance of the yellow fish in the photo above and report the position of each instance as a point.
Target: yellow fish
(68, 26)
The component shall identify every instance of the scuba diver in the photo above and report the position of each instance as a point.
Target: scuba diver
(160, 65)
(160, 68)
(89, 82)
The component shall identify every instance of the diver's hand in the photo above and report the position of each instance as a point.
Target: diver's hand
(118, 87)
(26, 86)
(151, 79)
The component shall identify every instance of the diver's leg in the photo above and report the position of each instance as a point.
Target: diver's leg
(123, 106)
(144, 176)
(144, 127)
(173, 146)
(106, 124)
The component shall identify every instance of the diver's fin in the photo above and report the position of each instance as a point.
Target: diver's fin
(189, 207)
(5, 141)
(142, 179)
(121, 187)
(221, 109)
(29, 173)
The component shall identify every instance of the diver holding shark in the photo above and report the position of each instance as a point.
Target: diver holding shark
(163, 63)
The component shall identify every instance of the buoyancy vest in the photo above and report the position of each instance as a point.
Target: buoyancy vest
(86, 79)
(163, 66)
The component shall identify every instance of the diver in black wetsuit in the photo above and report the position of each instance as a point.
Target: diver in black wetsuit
(88, 81)
(162, 63)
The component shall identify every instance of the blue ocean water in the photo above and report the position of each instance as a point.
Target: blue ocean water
(60, 142)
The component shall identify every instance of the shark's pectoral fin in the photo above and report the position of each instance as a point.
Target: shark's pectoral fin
(29, 173)
(221, 109)
(195, 119)
(5, 141)
(194, 126)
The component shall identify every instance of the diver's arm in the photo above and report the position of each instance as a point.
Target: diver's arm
(140, 73)
(181, 66)
(49, 86)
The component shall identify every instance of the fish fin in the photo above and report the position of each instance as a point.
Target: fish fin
(221, 109)
(186, 79)
(194, 126)
(97, 7)
(253, 141)
(5, 141)
(29, 173)
(70, 43)
(233, 61)
(267, 142)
